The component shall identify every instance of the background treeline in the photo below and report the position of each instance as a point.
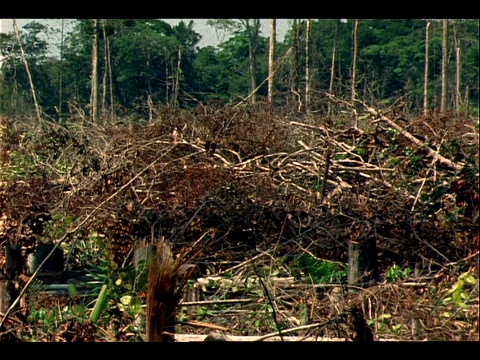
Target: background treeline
(125, 66)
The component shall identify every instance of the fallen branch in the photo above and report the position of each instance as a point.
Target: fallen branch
(430, 151)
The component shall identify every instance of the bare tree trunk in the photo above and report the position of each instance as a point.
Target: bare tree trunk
(105, 72)
(94, 94)
(254, 32)
(458, 81)
(27, 68)
(458, 78)
(295, 65)
(443, 99)
(177, 78)
(167, 84)
(427, 57)
(354, 59)
(465, 101)
(271, 59)
(332, 67)
(307, 66)
(60, 79)
(107, 75)
(110, 78)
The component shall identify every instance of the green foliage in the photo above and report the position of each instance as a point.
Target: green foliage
(320, 271)
(385, 324)
(20, 165)
(460, 292)
(395, 272)
(144, 59)
(100, 304)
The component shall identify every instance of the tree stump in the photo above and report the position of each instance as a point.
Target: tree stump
(362, 261)
(14, 260)
(8, 294)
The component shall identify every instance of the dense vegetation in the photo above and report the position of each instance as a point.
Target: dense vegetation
(263, 200)
(141, 60)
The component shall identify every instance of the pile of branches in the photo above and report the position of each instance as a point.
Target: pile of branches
(239, 179)
(223, 183)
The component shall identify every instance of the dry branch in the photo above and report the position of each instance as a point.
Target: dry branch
(432, 153)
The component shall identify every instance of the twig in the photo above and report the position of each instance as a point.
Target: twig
(426, 176)
(203, 324)
(241, 264)
(270, 300)
(299, 328)
(214, 302)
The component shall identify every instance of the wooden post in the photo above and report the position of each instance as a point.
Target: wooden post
(362, 261)
(142, 256)
(14, 260)
(353, 262)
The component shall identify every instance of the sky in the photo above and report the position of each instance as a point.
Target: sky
(209, 36)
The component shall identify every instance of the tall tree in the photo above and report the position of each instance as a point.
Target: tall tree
(253, 33)
(354, 58)
(443, 98)
(176, 86)
(27, 68)
(271, 59)
(251, 27)
(332, 66)
(427, 59)
(107, 82)
(307, 64)
(60, 77)
(294, 77)
(94, 78)
(458, 67)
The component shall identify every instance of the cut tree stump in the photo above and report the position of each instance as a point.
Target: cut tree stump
(362, 262)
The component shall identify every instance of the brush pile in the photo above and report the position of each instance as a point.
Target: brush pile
(227, 185)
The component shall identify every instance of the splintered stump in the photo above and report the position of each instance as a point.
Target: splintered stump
(362, 261)
(162, 295)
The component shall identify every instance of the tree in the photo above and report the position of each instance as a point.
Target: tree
(94, 96)
(184, 75)
(332, 66)
(443, 97)
(295, 68)
(354, 59)
(146, 61)
(251, 27)
(30, 80)
(271, 60)
(307, 65)
(107, 82)
(23, 85)
(425, 91)
(211, 80)
(458, 68)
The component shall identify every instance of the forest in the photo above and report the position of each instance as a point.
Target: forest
(320, 188)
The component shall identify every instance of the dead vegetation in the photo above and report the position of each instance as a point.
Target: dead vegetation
(242, 194)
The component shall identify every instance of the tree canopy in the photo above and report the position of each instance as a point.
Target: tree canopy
(145, 61)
